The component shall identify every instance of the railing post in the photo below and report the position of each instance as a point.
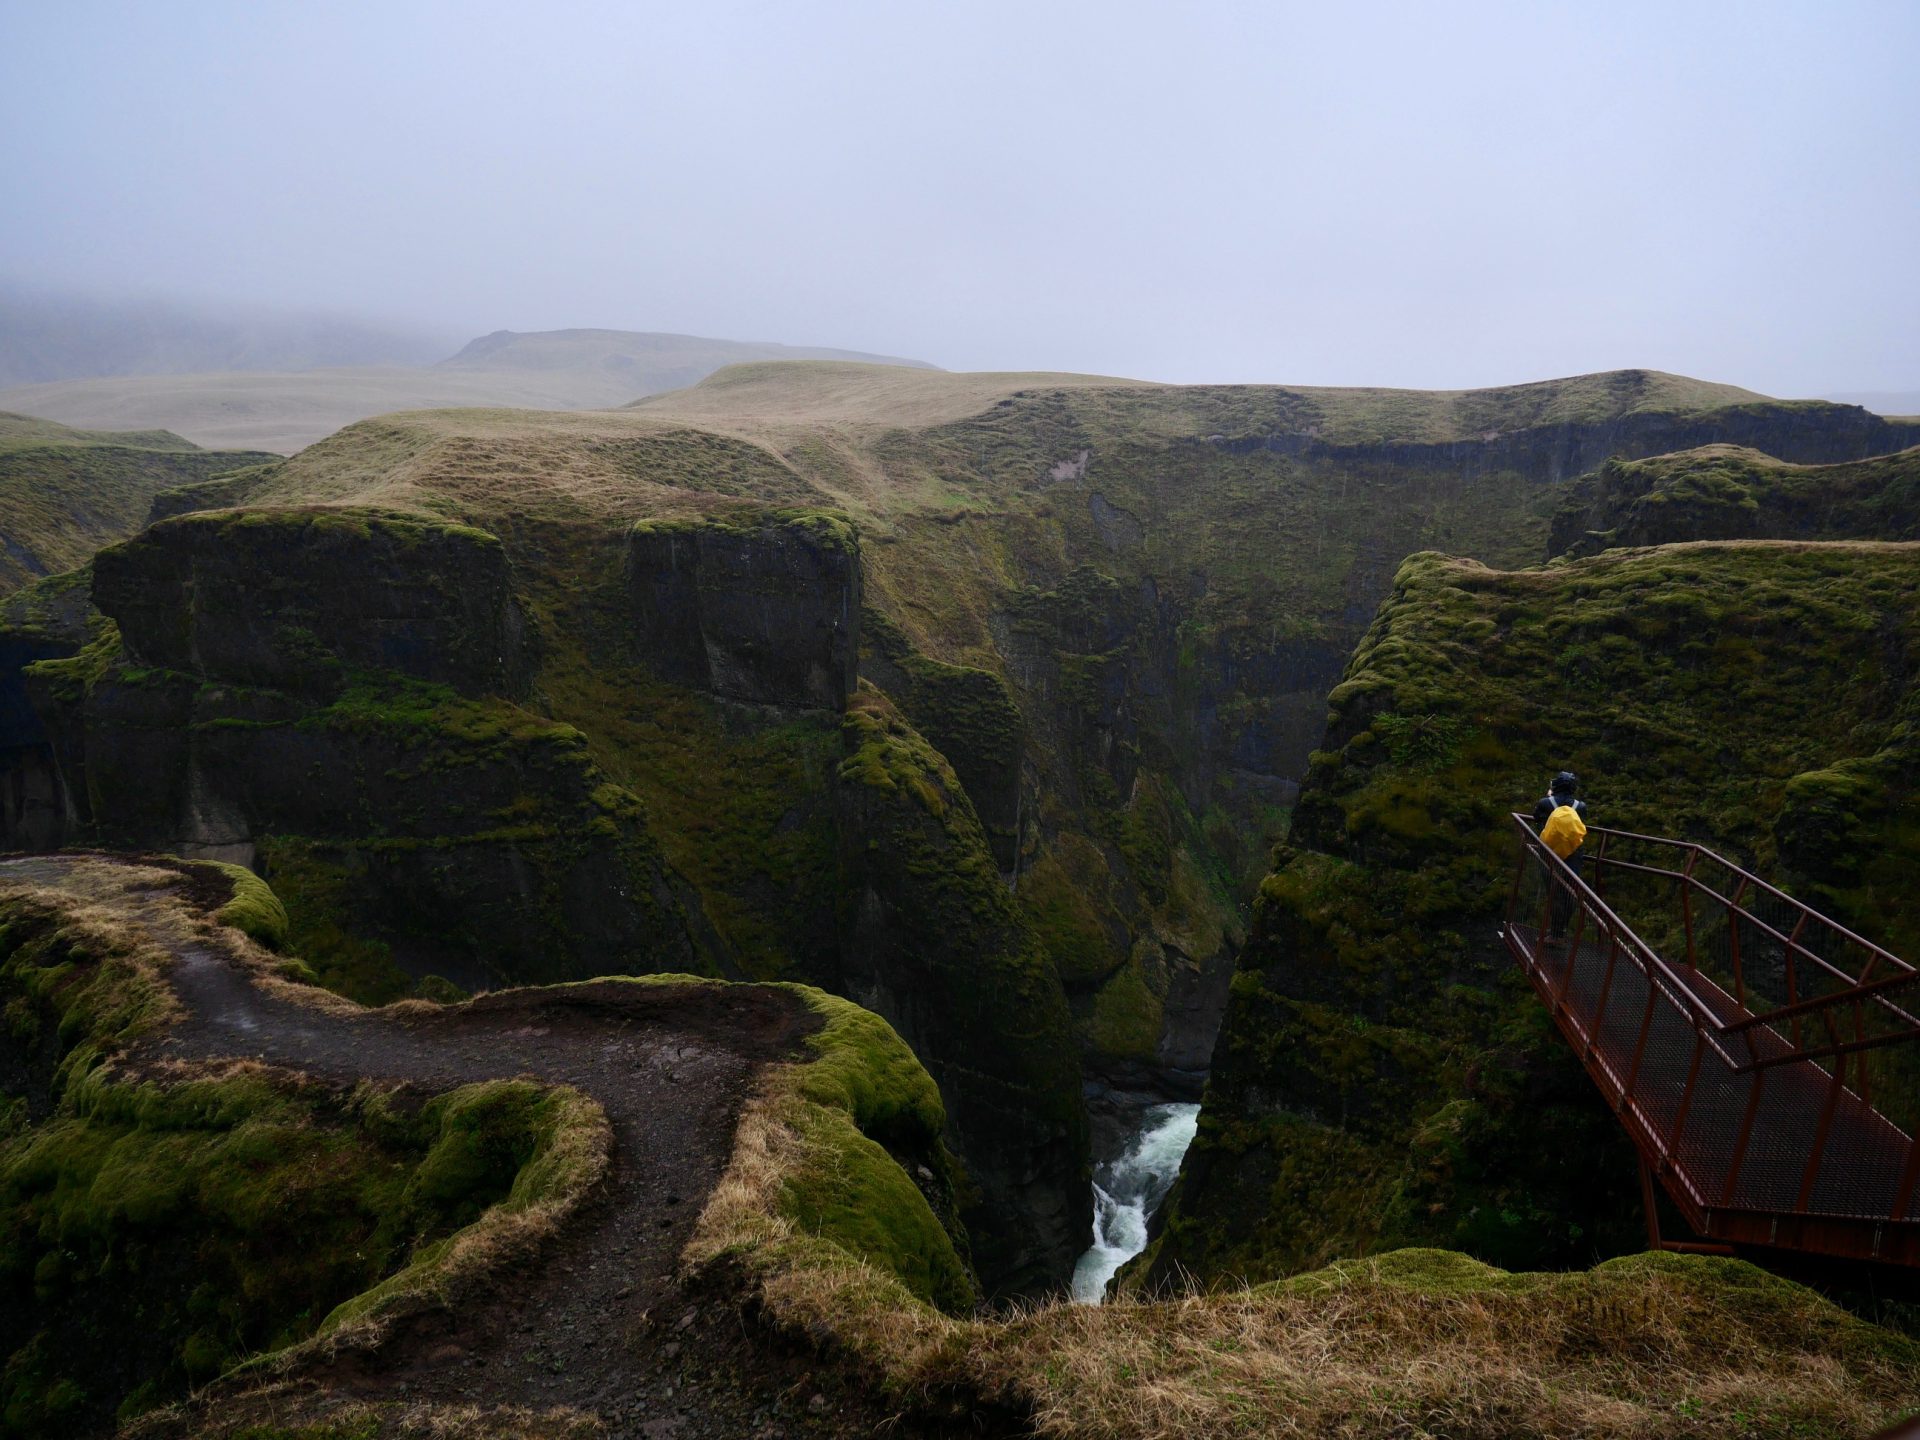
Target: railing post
(1649, 1203)
(1686, 903)
(1793, 970)
(1733, 943)
(1864, 1086)
(1640, 1046)
(1909, 1177)
(1519, 874)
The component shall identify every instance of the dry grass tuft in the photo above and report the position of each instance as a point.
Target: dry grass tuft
(1419, 1343)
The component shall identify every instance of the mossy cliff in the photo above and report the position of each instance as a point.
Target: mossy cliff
(49, 619)
(1115, 608)
(1384, 1076)
(329, 696)
(295, 600)
(936, 945)
(152, 1235)
(764, 610)
(65, 492)
(1725, 492)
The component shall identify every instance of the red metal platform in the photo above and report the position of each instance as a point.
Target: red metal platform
(1741, 1037)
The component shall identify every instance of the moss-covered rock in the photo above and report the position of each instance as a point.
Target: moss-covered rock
(936, 945)
(1384, 1076)
(153, 1235)
(296, 599)
(764, 607)
(1728, 492)
(412, 825)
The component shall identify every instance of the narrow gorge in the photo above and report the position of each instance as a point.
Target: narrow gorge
(1135, 753)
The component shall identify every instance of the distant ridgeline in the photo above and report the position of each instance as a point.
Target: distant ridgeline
(982, 700)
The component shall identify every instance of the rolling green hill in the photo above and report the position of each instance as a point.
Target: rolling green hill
(65, 492)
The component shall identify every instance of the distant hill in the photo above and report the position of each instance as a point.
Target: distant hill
(47, 337)
(659, 361)
(64, 493)
(286, 411)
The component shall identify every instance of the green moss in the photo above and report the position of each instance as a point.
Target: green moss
(317, 886)
(157, 1234)
(1064, 892)
(499, 1149)
(1127, 1017)
(825, 528)
(1725, 492)
(254, 909)
(1373, 995)
(872, 1114)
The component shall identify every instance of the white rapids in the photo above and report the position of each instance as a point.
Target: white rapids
(1125, 1192)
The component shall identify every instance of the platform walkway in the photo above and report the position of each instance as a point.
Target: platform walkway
(1739, 1036)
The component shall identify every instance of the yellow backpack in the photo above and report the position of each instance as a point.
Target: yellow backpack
(1564, 831)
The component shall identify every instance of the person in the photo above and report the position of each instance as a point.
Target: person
(1564, 789)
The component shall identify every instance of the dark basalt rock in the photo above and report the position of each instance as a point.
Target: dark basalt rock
(341, 683)
(1808, 434)
(1729, 492)
(293, 599)
(935, 945)
(765, 609)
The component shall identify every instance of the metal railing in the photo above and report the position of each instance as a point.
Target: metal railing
(1740, 1036)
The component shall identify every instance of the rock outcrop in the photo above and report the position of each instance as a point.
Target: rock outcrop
(301, 600)
(327, 695)
(1727, 492)
(763, 609)
(935, 944)
(1383, 1073)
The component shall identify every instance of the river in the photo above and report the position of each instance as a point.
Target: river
(1126, 1189)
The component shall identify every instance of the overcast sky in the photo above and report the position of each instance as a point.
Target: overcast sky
(1419, 194)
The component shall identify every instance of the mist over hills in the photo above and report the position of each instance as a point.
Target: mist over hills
(45, 336)
(200, 381)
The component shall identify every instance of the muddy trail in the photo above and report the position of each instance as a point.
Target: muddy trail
(599, 1325)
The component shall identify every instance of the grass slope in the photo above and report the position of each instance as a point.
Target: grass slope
(64, 493)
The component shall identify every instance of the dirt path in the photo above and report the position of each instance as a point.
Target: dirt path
(600, 1325)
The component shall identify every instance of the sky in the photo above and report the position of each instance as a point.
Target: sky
(1422, 194)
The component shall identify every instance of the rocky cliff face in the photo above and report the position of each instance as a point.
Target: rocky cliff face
(935, 944)
(1108, 615)
(1727, 492)
(765, 610)
(326, 695)
(1383, 1075)
(300, 600)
